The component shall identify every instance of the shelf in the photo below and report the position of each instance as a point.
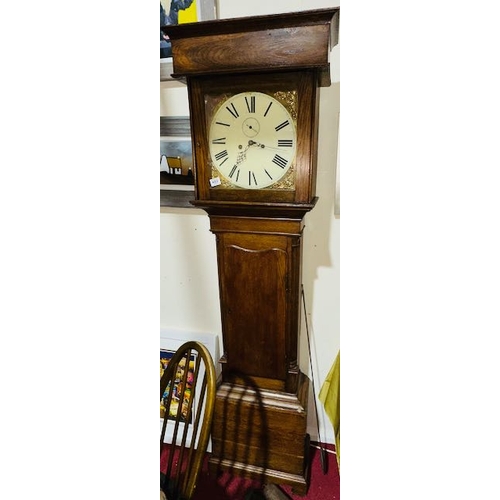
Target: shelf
(166, 70)
(174, 198)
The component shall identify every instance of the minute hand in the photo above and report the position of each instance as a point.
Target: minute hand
(263, 146)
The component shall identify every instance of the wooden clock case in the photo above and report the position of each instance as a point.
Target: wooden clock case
(302, 86)
(260, 421)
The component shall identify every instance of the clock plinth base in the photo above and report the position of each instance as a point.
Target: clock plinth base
(262, 434)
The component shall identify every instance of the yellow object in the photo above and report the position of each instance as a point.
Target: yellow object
(330, 397)
(188, 15)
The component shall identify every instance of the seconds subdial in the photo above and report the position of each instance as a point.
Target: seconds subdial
(251, 127)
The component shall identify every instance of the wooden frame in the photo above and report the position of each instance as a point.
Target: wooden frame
(165, 357)
(171, 340)
(175, 131)
(303, 84)
(185, 455)
(182, 197)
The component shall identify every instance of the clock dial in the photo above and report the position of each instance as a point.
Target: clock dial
(252, 140)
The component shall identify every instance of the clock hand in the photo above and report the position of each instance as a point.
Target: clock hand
(242, 155)
(263, 146)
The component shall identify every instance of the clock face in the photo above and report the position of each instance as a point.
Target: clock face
(252, 140)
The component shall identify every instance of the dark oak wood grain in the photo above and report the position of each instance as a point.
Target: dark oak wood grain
(296, 40)
(259, 254)
(264, 434)
(304, 84)
(260, 422)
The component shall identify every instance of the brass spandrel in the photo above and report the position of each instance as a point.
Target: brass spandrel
(287, 182)
(289, 100)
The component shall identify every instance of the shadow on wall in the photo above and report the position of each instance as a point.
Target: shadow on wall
(317, 251)
(318, 222)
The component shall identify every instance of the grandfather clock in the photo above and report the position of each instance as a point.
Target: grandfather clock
(253, 97)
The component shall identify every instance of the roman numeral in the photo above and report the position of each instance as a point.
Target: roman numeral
(251, 177)
(221, 155)
(222, 123)
(222, 140)
(267, 110)
(282, 125)
(233, 111)
(251, 104)
(285, 143)
(278, 160)
(233, 170)
(268, 174)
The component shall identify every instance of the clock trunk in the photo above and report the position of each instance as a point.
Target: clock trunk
(260, 421)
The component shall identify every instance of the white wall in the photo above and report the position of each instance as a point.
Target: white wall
(188, 267)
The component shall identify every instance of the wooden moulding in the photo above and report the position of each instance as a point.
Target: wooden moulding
(251, 209)
(254, 225)
(297, 40)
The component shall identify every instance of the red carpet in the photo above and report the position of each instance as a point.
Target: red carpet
(227, 487)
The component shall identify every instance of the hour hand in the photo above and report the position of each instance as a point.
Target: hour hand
(255, 143)
(263, 146)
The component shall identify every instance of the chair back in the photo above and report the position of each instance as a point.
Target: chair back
(187, 399)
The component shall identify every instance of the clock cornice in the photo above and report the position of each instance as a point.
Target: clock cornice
(291, 41)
